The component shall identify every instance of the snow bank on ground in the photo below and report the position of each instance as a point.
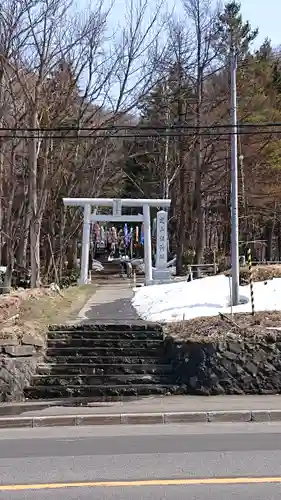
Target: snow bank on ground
(202, 297)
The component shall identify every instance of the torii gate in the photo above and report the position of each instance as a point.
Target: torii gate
(116, 204)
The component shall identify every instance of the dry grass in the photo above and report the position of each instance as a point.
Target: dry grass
(242, 325)
(31, 311)
(259, 273)
(220, 328)
(57, 308)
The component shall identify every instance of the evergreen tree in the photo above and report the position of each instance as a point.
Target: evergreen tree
(232, 30)
(265, 52)
(149, 160)
(276, 77)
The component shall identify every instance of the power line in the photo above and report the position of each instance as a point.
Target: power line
(166, 127)
(140, 131)
(219, 135)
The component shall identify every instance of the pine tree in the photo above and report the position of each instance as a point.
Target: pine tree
(231, 29)
(145, 158)
(276, 77)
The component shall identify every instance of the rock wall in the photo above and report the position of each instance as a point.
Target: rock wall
(19, 358)
(21, 342)
(233, 366)
(232, 363)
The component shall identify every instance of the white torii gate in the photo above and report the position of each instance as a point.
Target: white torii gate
(116, 204)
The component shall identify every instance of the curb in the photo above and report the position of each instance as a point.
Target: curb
(142, 418)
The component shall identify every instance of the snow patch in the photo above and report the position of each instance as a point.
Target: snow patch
(203, 297)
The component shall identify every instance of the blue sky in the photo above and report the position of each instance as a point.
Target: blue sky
(265, 15)
(262, 14)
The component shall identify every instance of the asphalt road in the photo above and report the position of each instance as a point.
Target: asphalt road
(206, 462)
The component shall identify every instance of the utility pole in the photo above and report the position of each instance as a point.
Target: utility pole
(166, 183)
(2, 77)
(234, 180)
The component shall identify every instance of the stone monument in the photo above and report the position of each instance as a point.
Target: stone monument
(161, 272)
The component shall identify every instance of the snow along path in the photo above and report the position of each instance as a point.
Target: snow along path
(202, 297)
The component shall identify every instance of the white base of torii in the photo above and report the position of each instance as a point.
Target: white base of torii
(116, 204)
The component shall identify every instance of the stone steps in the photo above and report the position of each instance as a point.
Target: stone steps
(135, 351)
(97, 392)
(73, 336)
(90, 368)
(109, 269)
(100, 343)
(102, 361)
(97, 380)
(116, 330)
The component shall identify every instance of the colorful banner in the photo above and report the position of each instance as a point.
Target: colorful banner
(97, 232)
(154, 228)
(126, 235)
(142, 234)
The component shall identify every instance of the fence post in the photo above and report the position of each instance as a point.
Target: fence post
(215, 263)
(249, 258)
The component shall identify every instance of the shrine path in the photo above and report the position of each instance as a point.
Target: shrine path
(110, 304)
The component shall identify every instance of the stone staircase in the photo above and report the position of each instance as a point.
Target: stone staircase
(112, 270)
(103, 362)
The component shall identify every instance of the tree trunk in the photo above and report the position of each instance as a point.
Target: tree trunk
(10, 267)
(182, 201)
(35, 222)
(1, 198)
(200, 240)
(197, 205)
(35, 253)
(279, 240)
(23, 244)
(268, 236)
(198, 198)
(62, 242)
(2, 99)
(72, 254)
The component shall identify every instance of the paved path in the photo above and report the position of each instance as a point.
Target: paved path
(111, 303)
(227, 462)
(149, 405)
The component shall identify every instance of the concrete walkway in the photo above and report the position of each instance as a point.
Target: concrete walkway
(164, 404)
(174, 409)
(110, 304)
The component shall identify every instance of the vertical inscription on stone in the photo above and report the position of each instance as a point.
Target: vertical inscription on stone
(161, 239)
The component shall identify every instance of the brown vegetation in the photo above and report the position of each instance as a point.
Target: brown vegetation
(225, 327)
(31, 311)
(259, 273)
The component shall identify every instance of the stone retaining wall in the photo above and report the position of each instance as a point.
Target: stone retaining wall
(18, 362)
(234, 366)
(230, 364)
(21, 342)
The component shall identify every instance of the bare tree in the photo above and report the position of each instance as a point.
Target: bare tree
(203, 17)
(46, 45)
(139, 48)
(12, 37)
(61, 67)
